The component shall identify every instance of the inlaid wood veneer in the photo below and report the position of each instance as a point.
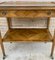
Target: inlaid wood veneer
(28, 10)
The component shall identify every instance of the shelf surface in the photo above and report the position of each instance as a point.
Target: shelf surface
(27, 35)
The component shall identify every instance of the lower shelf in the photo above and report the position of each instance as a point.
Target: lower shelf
(27, 35)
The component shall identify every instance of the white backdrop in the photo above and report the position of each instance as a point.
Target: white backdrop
(4, 27)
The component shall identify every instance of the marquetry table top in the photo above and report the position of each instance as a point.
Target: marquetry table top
(25, 3)
(27, 9)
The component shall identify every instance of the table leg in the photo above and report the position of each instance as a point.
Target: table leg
(53, 45)
(52, 51)
(2, 47)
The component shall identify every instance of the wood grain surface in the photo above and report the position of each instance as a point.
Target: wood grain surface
(27, 35)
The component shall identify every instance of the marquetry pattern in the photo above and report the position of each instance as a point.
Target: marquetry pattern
(27, 10)
(27, 13)
(27, 35)
(31, 14)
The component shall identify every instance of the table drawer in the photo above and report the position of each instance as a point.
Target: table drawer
(25, 13)
(7, 14)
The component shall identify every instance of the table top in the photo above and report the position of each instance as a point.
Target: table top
(25, 3)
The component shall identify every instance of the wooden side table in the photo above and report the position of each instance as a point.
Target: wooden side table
(29, 10)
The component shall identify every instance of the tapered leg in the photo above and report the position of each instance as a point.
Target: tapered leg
(53, 45)
(2, 47)
(9, 23)
(52, 51)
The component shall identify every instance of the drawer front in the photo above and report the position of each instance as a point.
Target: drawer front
(26, 13)
(7, 14)
(32, 14)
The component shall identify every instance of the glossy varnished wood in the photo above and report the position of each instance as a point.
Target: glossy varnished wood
(53, 45)
(27, 13)
(27, 35)
(27, 5)
(2, 47)
(9, 22)
(27, 10)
